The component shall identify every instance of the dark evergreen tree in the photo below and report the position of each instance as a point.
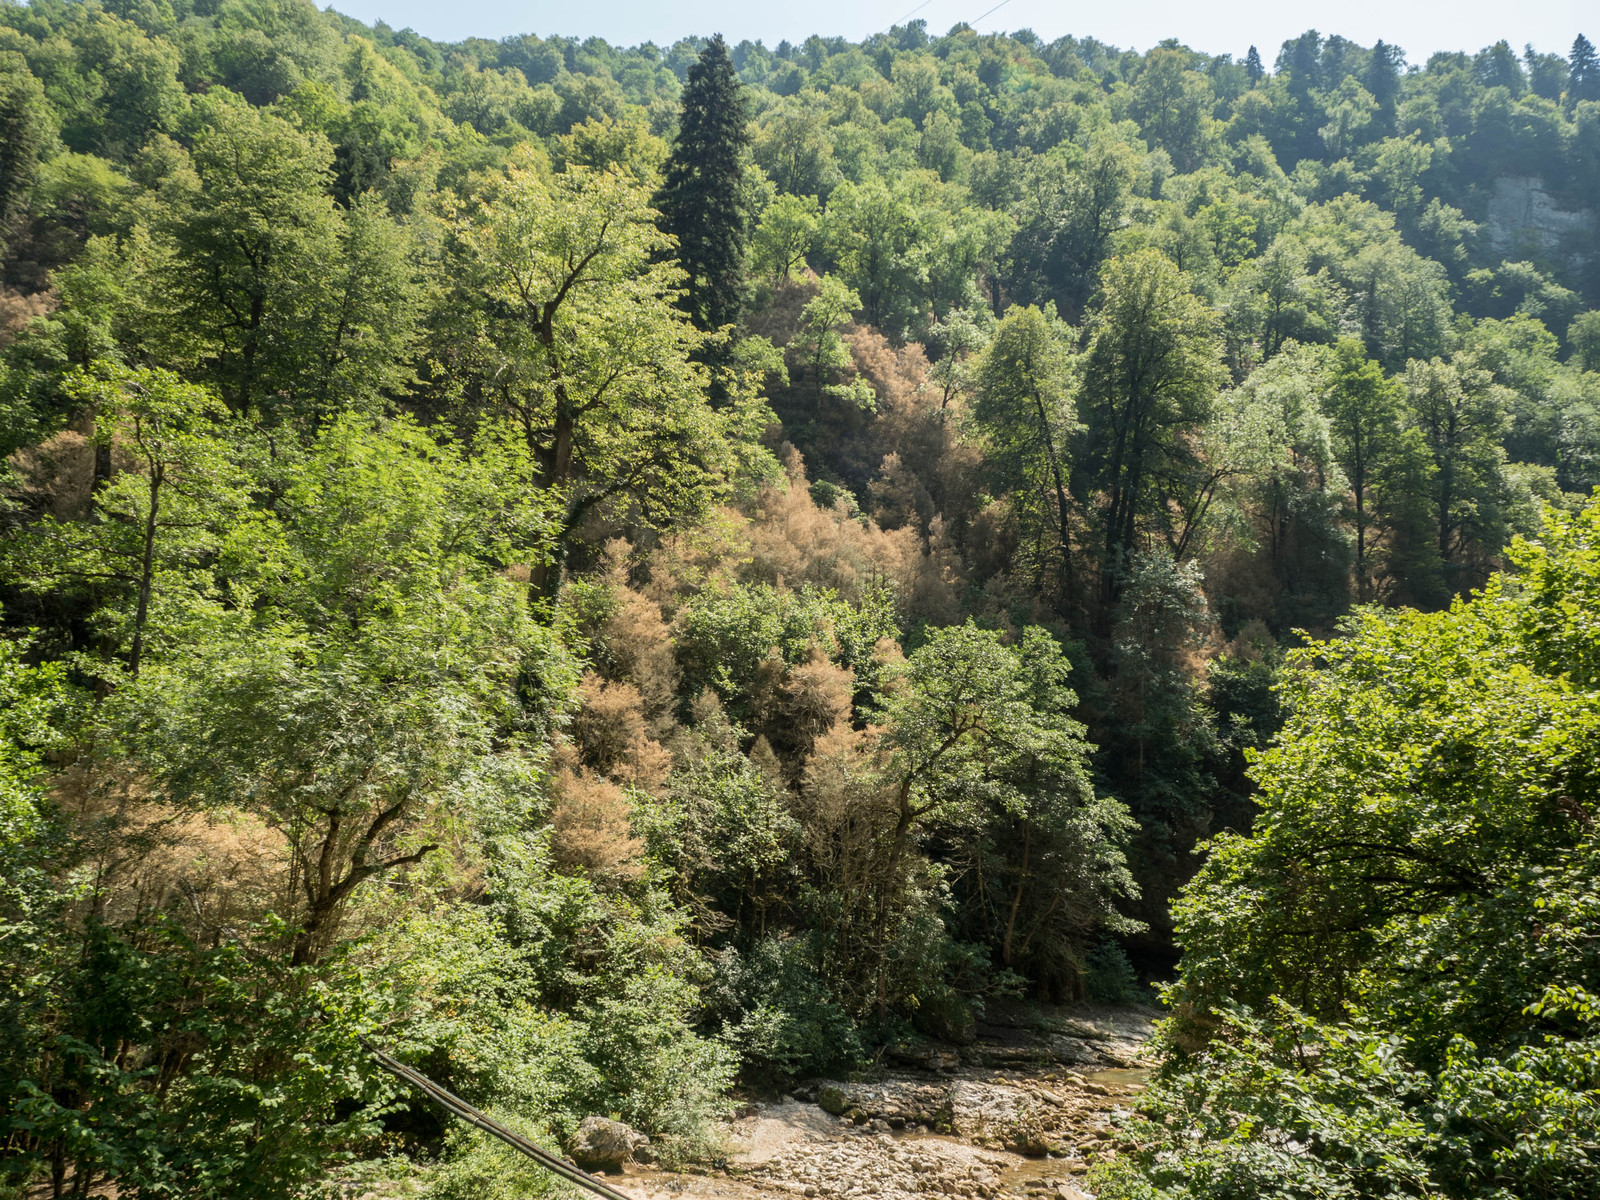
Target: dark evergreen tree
(1382, 79)
(1547, 73)
(1300, 63)
(700, 201)
(1340, 57)
(1301, 60)
(23, 134)
(1498, 66)
(1583, 72)
(1253, 67)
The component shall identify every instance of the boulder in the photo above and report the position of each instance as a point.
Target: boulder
(604, 1145)
(1074, 1051)
(832, 1099)
(906, 1101)
(984, 1111)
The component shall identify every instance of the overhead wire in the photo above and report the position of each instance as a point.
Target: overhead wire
(489, 1125)
(995, 9)
(972, 22)
(913, 12)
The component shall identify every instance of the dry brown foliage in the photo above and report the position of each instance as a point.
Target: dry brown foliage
(19, 308)
(843, 782)
(933, 466)
(1245, 575)
(689, 560)
(215, 874)
(639, 645)
(779, 319)
(898, 497)
(612, 733)
(793, 541)
(991, 540)
(814, 697)
(591, 827)
(847, 813)
(765, 760)
(56, 477)
(1253, 641)
(887, 654)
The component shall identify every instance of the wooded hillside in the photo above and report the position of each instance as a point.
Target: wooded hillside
(618, 573)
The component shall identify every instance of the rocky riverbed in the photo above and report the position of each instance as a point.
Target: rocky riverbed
(1022, 1111)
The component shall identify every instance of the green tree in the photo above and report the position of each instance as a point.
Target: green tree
(878, 234)
(791, 144)
(1150, 373)
(627, 147)
(168, 509)
(1364, 411)
(1159, 741)
(1023, 404)
(38, 714)
(1392, 823)
(1583, 72)
(823, 350)
(564, 320)
(788, 230)
(959, 339)
(25, 136)
(352, 703)
(1350, 109)
(1408, 567)
(1284, 487)
(1274, 298)
(1462, 416)
(1171, 102)
(340, 658)
(1382, 79)
(250, 254)
(136, 78)
(1398, 169)
(975, 731)
(702, 197)
(1352, 969)
(289, 305)
(1065, 230)
(1583, 336)
(1397, 296)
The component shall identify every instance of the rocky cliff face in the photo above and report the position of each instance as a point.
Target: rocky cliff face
(1525, 221)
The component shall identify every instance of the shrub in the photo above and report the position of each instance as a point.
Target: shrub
(1108, 976)
(779, 1012)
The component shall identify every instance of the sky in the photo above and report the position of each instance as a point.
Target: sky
(1219, 27)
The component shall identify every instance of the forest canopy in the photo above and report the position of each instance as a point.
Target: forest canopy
(620, 573)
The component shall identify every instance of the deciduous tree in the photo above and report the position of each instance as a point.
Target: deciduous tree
(565, 320)
(1150, 374)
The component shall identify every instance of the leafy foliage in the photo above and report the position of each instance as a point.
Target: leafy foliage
(1361, 1010)
(409, 632)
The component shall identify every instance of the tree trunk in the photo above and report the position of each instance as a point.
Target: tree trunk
(146, 568)
(896, 850)
(326, 890)
(1061, 488)
(1016, 896)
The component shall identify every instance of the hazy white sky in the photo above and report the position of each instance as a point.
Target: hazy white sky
(1220, 27)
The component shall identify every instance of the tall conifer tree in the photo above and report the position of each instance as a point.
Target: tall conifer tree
(1252, 66)
(1583, 72)
(1382, 79)
(700, 200)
